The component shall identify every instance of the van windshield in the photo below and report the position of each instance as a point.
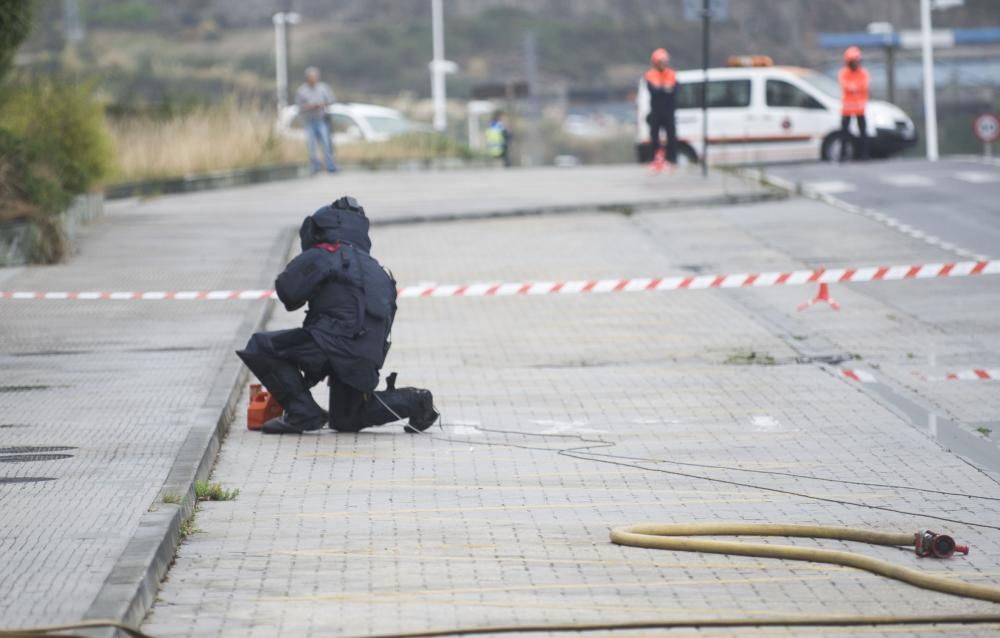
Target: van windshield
(823, 83)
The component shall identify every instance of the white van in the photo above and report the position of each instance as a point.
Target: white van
(769, 114)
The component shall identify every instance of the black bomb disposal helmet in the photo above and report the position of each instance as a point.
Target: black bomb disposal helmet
(342, 221)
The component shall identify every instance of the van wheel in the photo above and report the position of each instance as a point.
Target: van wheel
(830, 151)
(686, 155)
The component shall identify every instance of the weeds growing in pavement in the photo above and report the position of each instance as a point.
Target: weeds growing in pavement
(187, 527)
(750, 358)
(172, 499)
(206, 491)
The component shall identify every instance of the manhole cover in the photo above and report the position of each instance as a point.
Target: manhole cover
(23, 449)
(28, 458)
(24, 479)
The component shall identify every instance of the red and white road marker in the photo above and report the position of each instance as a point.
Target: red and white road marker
(660, 284)
(823, 296)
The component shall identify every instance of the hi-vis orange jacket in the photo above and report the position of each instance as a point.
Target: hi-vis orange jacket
(661, 88)
(854, 89)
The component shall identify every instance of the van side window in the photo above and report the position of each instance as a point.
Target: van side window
(344, 124)
(721, 94)
(781, 93)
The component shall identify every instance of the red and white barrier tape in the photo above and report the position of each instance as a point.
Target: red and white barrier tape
(662, 284)
(975, 374)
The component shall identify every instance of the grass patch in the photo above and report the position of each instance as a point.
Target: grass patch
(984, 431)
(172, 499)
(187, 528)
(206, 491)
(749, 358)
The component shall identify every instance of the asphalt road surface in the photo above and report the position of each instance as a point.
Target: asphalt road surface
(955, 199)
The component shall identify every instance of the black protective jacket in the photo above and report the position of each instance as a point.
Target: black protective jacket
(351, 298)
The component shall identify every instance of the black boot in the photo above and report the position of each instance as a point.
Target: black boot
(419, 405)
(357, 411)
(393, 404)
(285, 382)
(292, 421)
(423, 413)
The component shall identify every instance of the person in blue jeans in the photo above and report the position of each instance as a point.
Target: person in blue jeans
(312, 99)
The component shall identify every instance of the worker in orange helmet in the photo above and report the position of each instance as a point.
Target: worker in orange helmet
(854, 82)
(661, 81)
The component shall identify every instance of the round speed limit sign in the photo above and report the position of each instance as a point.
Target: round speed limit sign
(987, 128)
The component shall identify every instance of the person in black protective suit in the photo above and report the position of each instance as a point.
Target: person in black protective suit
(345, 336)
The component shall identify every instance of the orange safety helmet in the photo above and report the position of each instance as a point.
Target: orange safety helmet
(852, 54)
(660, 55)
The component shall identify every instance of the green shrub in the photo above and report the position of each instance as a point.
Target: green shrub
(53, 146)
(63, 124)
(15, 23)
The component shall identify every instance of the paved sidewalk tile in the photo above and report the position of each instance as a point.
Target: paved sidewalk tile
(491, 519)
(98, 396)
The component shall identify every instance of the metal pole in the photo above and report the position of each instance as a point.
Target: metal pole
(890, 72)
(280, 61)
(531, 153)
(72, 22)
(705, 23)
(930, 105)
(289, 13)
(437, 67)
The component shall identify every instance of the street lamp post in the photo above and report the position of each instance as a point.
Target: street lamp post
(886, 30)
(930, 104)
(281, 21)
(438, 67)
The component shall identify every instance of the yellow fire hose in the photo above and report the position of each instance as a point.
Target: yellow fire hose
(677, 537)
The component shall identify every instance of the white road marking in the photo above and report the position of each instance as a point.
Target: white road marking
(904, 180)
(764, 423)
(830, 187)
(976, 177)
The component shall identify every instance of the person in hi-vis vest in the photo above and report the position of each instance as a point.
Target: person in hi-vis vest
(498, 138)
(854, 82)
(661, 81)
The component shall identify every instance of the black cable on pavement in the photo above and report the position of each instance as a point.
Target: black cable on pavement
(582, 453)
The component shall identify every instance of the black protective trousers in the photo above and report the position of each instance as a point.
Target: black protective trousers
(665, 120)
(845, 136)
(288, 363)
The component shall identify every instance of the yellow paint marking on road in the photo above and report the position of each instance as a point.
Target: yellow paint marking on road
(428, 484)
(555, 587)
(553, 506)
(511, 508)
(403, 455)
(408, 557)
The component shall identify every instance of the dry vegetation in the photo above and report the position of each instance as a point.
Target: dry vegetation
(203, 140)
(232, 136)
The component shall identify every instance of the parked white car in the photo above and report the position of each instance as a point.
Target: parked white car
(353, 122)
(770, 113)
